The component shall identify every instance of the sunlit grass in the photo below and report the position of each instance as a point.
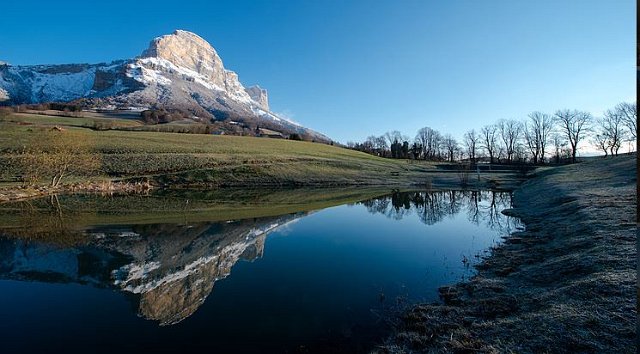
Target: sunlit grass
(175, 158)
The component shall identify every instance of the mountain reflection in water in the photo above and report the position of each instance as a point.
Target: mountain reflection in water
(171, 267)
(327, 282)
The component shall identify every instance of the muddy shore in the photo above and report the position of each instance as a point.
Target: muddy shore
(566, 284)
(18, 193)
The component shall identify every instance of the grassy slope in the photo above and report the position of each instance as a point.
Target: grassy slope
(567, 284)
(221, 160)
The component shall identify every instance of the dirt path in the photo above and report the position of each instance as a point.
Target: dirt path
(566, 284)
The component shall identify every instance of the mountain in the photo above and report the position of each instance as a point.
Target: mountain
(179, 71)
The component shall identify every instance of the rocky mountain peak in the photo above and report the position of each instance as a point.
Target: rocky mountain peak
(190, 51)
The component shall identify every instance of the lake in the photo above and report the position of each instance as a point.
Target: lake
(233, 271)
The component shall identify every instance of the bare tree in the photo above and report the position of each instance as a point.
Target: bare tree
(536, 134)
(574, 125)
(531, 141)
(489, 136)
(57, 154)
(558, 146)
(510, 131)
(611, 128)
(471, 140)
(380, 145)
(369, 144)
(542, 125)
(451, 147)
(629, 114)
(437, 146)
(431, 141)
(601, 142)
(395, 136)
(423, 137)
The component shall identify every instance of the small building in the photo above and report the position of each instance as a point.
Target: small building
(268, 133)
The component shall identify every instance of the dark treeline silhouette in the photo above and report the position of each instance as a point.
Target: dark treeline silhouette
(537, 139)
(432, 207)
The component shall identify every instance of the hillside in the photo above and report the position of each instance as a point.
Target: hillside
(197, 159)
(127, 151)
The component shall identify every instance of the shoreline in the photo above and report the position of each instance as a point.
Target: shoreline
(105, 187)
(136, 185)
(567, 283)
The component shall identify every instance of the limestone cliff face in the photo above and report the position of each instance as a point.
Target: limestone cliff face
(189, 51)
(259, 95)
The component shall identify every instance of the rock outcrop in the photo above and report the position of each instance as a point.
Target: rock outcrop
(259, 95)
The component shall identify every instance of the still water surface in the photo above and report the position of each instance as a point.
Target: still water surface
(107, 274)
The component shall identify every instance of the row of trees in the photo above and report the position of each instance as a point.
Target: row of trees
(534, 139)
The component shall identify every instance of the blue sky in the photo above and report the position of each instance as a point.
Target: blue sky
(350, 69)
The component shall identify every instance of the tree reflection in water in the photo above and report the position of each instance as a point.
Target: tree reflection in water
(432, 207)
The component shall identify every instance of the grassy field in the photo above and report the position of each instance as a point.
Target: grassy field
(171, 158)
(84, 121)
(193, 160)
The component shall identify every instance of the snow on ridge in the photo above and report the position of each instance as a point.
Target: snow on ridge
(145, 75)
(235, 90)
(166, 64)
(268, 114)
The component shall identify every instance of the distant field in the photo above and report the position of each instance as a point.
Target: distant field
(171, 158)
(88, 121)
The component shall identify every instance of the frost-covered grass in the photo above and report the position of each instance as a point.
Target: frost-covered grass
(567, 284)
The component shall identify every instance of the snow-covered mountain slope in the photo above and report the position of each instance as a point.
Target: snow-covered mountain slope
(177, 71)
(62, 83)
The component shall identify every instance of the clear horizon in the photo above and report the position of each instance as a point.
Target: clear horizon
(359, 69)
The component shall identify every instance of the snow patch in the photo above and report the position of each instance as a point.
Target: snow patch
(4, 95)
(174, 69)
(56, 87)
(273, 116)
(145, 75)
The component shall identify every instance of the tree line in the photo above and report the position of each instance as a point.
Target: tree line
(539, 138)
